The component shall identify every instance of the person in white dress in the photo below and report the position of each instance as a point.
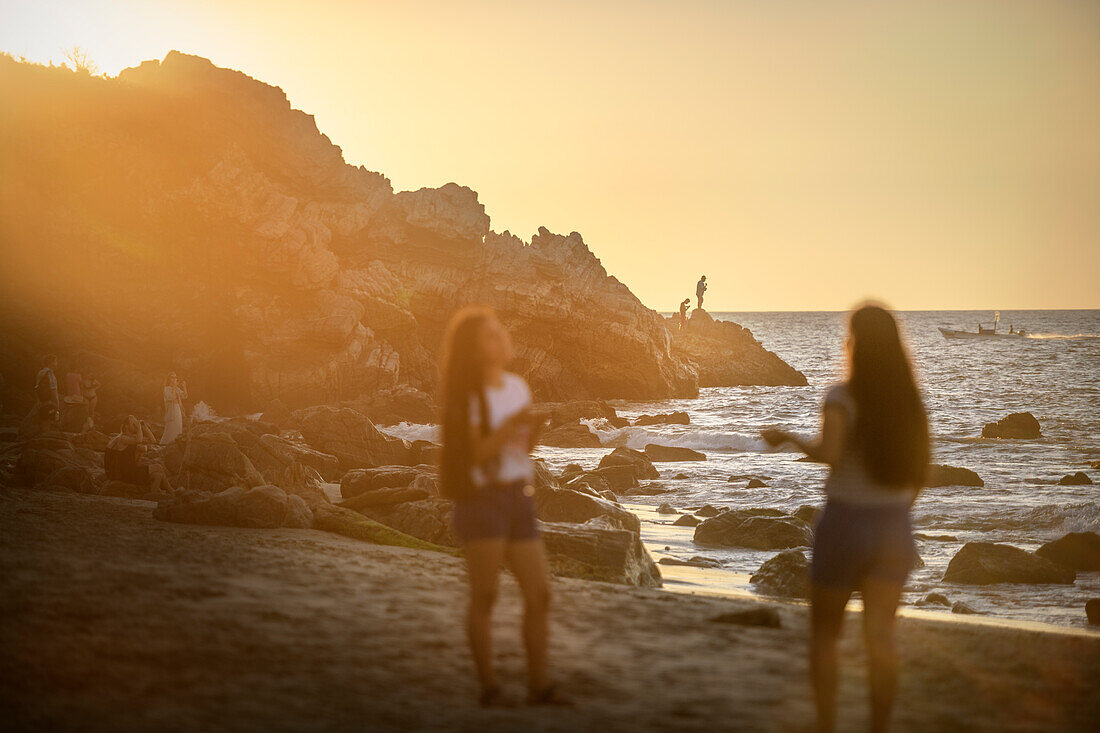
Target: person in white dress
(175, 392)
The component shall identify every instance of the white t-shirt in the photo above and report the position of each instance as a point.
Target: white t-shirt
(503, 401)
(848, 481)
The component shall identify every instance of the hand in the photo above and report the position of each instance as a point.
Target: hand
(775, 438)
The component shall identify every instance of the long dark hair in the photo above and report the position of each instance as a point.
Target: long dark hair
(891, 428)
(463, 382)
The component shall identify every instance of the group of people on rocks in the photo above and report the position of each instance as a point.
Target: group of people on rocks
(874, 438)
(700, 290)
(127, 456)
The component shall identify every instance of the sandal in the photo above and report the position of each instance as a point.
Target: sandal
(549, 695)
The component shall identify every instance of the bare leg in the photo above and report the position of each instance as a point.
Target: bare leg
(483, 561)
(826, 620)
(528, 563)
(880, 605)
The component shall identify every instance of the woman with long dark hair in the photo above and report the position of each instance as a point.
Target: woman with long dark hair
(489, 430)
(874, 436)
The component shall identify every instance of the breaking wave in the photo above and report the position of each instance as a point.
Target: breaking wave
(1050, 518)
(412, 431)
(702, 439)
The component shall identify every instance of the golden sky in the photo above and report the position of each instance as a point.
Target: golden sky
(804, 155)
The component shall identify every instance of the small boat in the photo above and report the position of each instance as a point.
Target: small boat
(986, 333)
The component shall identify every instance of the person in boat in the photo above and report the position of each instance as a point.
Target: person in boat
(684, 313)
(489, 430)
(874, 437)
(700, 288)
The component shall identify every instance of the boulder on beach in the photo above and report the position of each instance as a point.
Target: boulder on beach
(755, 483)
(212, 462)
(566, 505)
(664, 418)
(687, 520)
(599, 552)
(653, 488)
(760, 529)
(264, 506)
(787, 575)
(571, 470)
(351, 437)
(276, 413)
(666, 508)
(575, 435)
(960, 607)
(940, 475)
(401, 403)
(1077, 550)
(708, 510)
(618, 478)
(672, 453)
(986, 563)
(638, 461)
(1017, 425)
(1079, 478)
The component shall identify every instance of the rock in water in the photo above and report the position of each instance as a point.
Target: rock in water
(760, 529)
(986, 563)
(638, 461)
(665, 418)
(1075, 479)
(1016, 425)
(787, 574)
(1077, 550)
(570, 436)
(666, 508)
(938, 599)
(755, 483)
(767, 618)
(672, 453)
(727, 355)
(939, 475)
(1092, 611)
(687, 520)
(961, 607)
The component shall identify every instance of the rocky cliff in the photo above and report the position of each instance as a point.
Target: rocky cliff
(183, 216)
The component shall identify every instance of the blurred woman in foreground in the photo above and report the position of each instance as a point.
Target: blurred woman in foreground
(874, 436)
(489, 431)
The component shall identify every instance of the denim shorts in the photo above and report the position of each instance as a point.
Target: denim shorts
(498, 511)
(853, 542)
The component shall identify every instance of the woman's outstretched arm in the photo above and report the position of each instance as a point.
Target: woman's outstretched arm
(829, 445)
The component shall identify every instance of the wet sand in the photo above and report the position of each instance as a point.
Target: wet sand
(110, 620)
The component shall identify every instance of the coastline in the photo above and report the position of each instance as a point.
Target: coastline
(112, 620)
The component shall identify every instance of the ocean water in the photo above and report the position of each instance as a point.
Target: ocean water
(1054, 374)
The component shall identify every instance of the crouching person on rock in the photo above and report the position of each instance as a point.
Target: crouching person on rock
(489, 431)
(124, 459)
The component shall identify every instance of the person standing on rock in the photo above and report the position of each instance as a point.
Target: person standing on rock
(700, 288)
(46, 403)
(874, 436)
(175, 392)
(489, 431)
(684, 313)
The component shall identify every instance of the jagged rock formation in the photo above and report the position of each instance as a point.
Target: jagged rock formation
(183, 216)
(726, 354)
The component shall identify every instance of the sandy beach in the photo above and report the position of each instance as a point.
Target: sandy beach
(114, 621)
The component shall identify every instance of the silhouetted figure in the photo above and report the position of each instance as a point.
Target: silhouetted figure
(175, 392)
(700, 288)
(124, 458)
(684, 313)
(874, 436)
(90, 389)
(489, 431)
(47, 405)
